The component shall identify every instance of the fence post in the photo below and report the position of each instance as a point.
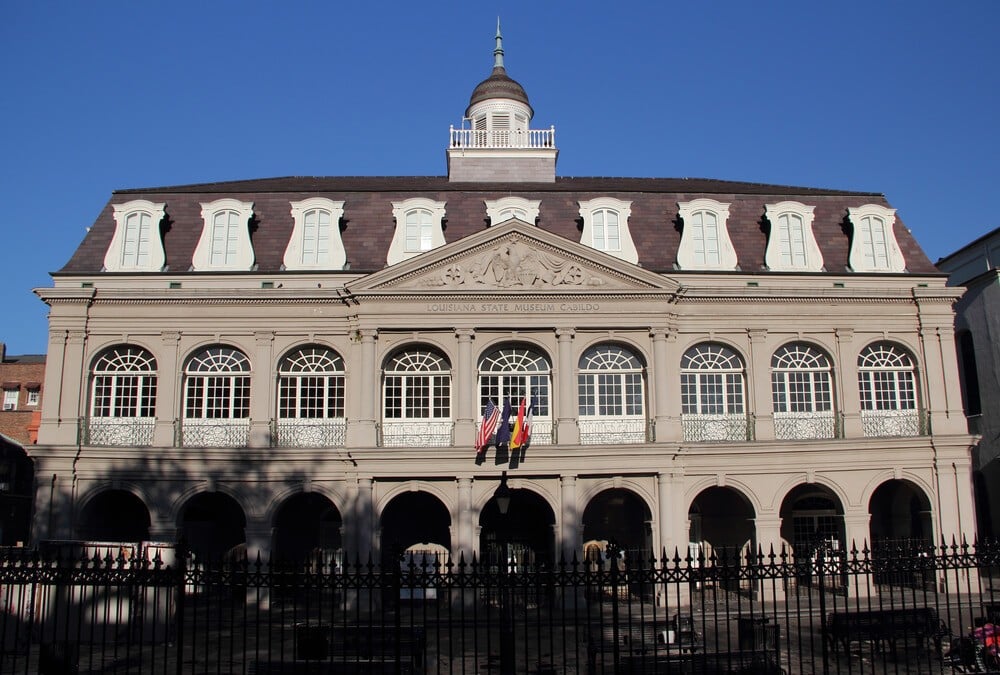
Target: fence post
(180, 588)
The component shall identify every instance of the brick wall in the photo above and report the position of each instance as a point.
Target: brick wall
(23, 374)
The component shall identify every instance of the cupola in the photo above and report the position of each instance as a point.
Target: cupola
(494, 142)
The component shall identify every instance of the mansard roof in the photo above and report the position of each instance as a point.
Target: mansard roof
(368, 225)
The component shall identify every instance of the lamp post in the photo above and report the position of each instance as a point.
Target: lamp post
(502, 497)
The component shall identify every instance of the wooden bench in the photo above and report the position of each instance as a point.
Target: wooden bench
(353, 650)
(673, 637)
(884, 627)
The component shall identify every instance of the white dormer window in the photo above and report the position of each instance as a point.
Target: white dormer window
(136, 244)
(705, 243)
(605, 227)
(502, 210)
(418, 228)
(873, 246)
(225, 239)
(791, 246)
(315, 242)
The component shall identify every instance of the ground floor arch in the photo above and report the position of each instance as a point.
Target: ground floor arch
(308, 527)
(900, 516)
(114, 515)
(212, 525)
(414, 522)
(812, 518)
(619, 517)
(721, 523)
(524, 537)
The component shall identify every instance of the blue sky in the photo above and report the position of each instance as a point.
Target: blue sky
(901, 98)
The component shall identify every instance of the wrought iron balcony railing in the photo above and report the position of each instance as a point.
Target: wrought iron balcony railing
(717, 428)
(214, 433)
(613, 431)
(416, 434)
(133, 432)
(885, 423)
(309, 433)
(806, 425)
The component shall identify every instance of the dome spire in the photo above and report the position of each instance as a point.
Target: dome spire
(498, 51)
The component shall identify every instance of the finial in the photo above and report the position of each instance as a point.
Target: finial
(498, 52)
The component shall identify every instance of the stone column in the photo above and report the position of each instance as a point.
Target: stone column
(942, 387)
(169, 391)
(463, 381)
(569, 536)
(259, 536)
(768, 532)
(567, 430)
(848, 394)
(857, 528)
(365, 513)
(759, 399)
(673, 526)
(262, 391)
(464, 545)
(361, 432)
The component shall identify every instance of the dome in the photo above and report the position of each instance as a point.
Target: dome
(498, 85)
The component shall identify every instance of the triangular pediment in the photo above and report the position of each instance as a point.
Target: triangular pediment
(513, 257)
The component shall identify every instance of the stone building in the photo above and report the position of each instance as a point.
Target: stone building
(299, 366)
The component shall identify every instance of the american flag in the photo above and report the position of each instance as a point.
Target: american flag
(491, 415)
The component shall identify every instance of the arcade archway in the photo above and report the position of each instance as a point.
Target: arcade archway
(114, 515)
(307, 527)
(213, 526)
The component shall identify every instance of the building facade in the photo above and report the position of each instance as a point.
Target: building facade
(299, 366)
(21, 377)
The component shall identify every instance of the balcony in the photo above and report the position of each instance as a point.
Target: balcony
(803, 426)
(886, 423)
(214, 433)
(613, 431)
(135, 432)
(416, 434)
(503, 138)
(717, 428)
(309, 433)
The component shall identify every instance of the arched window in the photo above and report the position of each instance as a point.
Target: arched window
(416, 408)
(712, 405)
(123, 397)
(611, 396)
(514, 373)
(311, 399)
(802, 393)
(217, 392)
(419, 230)
(887, 385)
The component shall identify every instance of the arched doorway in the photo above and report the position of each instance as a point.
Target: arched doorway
(900, 517)
(812, 518)
(213, 526)
(307, 527)
(114, 515)
(722, 524)
(524, 537)
(416, 522)
(618, 516)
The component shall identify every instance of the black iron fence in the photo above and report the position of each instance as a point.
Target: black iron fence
(126, 609)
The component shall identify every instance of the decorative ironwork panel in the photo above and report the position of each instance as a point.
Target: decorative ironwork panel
(310, 433)
(612, 431)
(892, 423)
(701, 428)
(218, 433)
(417, 434)
(805, 425)
(120, 431)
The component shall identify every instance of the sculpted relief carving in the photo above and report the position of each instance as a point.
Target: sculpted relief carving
(513, 264)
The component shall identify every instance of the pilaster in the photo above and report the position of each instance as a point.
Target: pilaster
(463, 380)
(666, 408)
(464, 544)
(759, 385)
(168, 390)
(847, 384)
(567, 431)
(361, 432)
(262, 391)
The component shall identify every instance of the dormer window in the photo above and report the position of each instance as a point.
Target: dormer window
(791, 246)
(225, 239)
(605, 227)
(316, 242)
(502, 210)
(418, 228)
(705, 243)
(873, 246)
(136, 244)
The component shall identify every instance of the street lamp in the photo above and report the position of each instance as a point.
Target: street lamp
(502, 496)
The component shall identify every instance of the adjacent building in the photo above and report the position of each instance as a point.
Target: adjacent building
(299, 366)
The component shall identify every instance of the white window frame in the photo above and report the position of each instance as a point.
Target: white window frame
(779, 256)
(598, 240)
(242, 258)
(888, 369)
(801, 380)
(120, 256)
(873, 230)
(416, 370)
(398, 250)
(10, 397)
(223, 370)
(710, 365)
(499, 210)
(123, 383)
(692, 246)
(312, 368)
(329, 253)
(34, 397)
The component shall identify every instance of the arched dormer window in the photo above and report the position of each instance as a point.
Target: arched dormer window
(225, 238)
(705, 242)
(791, 246)
(502, 210)
(123, 398)
(873, 246)
(315, 243)
(136, 245)
(605, 227)
(418, 228)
